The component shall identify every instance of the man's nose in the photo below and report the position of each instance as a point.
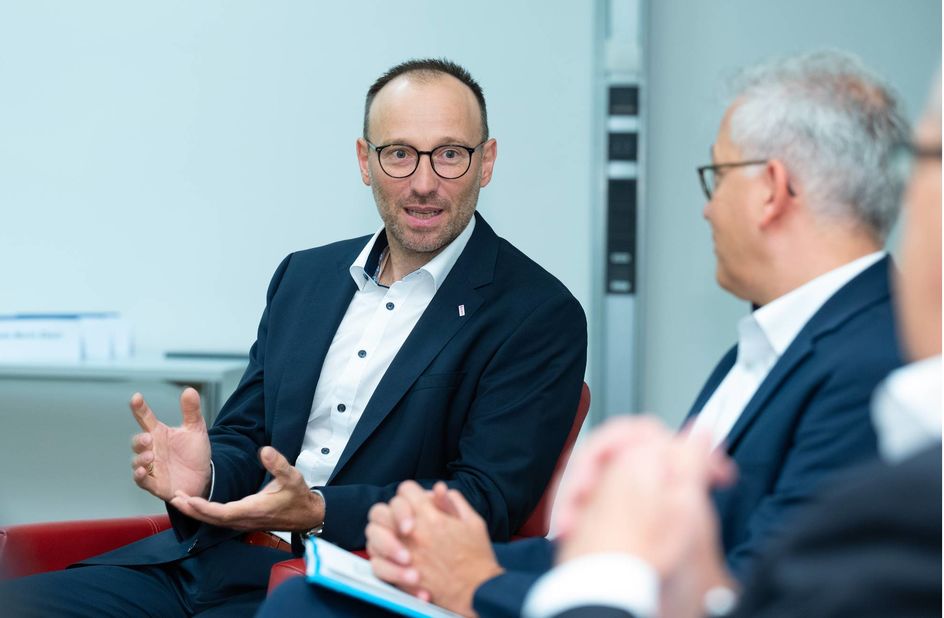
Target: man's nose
(424, 180)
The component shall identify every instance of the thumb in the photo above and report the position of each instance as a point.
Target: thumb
(442, 500)
(462, 507)
(190, 408)
(275, 462)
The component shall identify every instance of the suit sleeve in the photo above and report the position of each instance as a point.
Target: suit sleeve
(239, 430)
(527, 394)
(871, 546)
(524, 561)
(834, 432)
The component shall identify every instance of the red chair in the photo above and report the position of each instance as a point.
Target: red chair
(37, 548)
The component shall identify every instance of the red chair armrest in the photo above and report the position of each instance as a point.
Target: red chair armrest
(36, 548)
(287, 569)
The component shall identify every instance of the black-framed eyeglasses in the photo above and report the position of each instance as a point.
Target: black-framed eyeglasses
(905, 154)
(449, 161)
(709, 175)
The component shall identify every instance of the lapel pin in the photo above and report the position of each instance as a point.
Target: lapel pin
(461, 311)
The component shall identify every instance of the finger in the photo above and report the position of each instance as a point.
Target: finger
(393, 573)
(600, 446)
(691, 457)
(142, 413)
(381, 515)
(190, 408)
(141, 478)
(141, 442)
(403, 515)
(182, 504)
(142, 460)
(461, 506)
(214, 513)
(414, 493)
(442, 501)
(383, 543)
(722, 470)
(276, 463)
(584, 472)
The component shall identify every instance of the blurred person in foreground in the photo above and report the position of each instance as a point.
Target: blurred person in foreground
(798, 222)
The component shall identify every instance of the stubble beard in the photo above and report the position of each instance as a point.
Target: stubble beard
(464, 209)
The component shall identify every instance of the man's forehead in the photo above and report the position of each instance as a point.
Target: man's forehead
(437, 102)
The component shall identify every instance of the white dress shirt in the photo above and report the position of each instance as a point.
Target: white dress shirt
(906, 409)
(377, 322)
(763, 336)
(374, 328)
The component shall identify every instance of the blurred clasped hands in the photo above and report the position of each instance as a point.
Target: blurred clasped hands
(634, 487)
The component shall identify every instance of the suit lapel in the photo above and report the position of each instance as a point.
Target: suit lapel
(327, 301)
(711, 385)
(866, 289)
(435, 328)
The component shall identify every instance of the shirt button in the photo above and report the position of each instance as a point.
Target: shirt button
(362, 353)
(325, 450)
(390, 306)
(341, 407)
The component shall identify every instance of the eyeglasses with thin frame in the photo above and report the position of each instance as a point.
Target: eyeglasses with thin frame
(449, 161)
(709, 174)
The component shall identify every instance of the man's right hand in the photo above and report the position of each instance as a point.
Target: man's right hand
(168, 459)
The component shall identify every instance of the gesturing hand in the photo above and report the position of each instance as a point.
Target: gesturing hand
(170, 459)
(285, 503)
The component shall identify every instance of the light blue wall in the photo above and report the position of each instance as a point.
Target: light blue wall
(161, 158)
(694, 45)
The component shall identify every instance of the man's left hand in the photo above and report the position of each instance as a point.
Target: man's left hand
(286, 503)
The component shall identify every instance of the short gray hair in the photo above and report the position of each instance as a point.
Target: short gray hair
(834, 125)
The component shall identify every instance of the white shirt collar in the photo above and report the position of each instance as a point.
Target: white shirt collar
(781, 320)
(437, 268)
(906, 409)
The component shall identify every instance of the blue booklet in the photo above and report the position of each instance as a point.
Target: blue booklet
(329, 566)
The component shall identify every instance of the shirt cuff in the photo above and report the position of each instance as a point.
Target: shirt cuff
(615, 580)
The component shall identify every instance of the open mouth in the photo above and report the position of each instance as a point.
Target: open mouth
(424, 213)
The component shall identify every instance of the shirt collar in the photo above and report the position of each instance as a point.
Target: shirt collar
(438, 268)
(906, 409)
(782, 319)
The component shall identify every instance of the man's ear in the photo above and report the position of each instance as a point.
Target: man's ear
(780, 195)
(363, 152)
(489, 153)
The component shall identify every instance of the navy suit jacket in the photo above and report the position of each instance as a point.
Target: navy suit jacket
(809, 418)
(465, 399)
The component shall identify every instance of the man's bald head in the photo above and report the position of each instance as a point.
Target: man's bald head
(427, 69)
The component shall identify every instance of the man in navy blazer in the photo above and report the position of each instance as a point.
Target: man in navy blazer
(425, 352)
(798, 219)
(869, 545)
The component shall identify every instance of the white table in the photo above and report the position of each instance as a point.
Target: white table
(213, 378)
